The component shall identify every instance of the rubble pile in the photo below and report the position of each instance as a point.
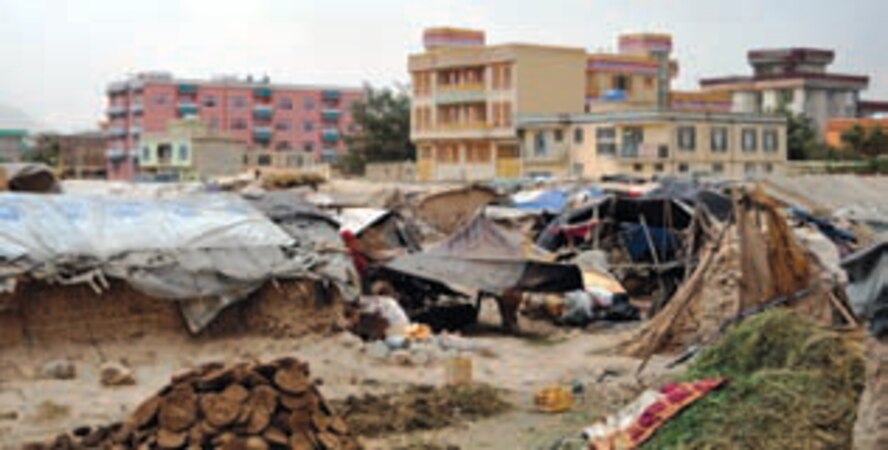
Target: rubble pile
(244, 407)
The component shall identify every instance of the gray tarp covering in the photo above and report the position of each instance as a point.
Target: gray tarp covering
(205, 251)
(487, 258)
(868, 285)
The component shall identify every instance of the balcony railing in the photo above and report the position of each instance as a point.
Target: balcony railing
(188, 88)
(114, 111)
(455, 96)
(330, 135)
(115, 154)
(464, 126)
(136, 108)
(135, 131)
(117, 131)
(331, 94)
(262, 92)
(263, 111)
(262, 133)
(187, 109)
(331, 114)
(461, 87)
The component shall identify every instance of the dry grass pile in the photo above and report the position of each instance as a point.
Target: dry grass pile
(291, 178)
(794, 385)
(420, 408)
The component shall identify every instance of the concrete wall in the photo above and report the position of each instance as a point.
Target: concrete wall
(550, 82)
(391, 171)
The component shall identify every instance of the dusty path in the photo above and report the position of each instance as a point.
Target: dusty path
(519, 365)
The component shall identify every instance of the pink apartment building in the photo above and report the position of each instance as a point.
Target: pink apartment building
(269, 118)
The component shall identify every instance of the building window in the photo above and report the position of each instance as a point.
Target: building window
(285, 103)
(578, 135)
(309, 104)
(638, 167)
(146, 153)
(238, 123)
(687, 138)
(539, 144)
(263, 160)
(718, 140)
(308, 126)
(749, 140)
(622, 83)
(214, 123)
(210, 101)
(718, 168)
(787, 96)
(649, 82)
(308, 146)
(769, 168)
(282, 145)
(283, 125)
(632, 140)
(239, 102)
(559, 135)
(683, 168)
(606, 144)
(663, 151)
(606, 133)
(658, 168)
(769, 141)
(183, 152)
(749, 168)
(295, 161)
(160, 100)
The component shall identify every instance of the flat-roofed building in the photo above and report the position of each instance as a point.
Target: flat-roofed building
(467, 94)
(653, 142)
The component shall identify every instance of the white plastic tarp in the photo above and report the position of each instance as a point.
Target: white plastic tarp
(206, 251)
(44, 227)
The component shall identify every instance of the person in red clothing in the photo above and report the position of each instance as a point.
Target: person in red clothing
(358, 257)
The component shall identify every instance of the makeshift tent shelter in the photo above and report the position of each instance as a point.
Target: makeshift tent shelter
(868, 285)
(451, 209)
(482, 257)
(755, 264)
(204, 252)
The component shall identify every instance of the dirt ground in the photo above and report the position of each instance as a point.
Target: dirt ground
(32, 408)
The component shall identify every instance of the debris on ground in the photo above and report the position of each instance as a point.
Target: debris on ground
(60, 369)
(793, 385)
(420, 408)
(113, 373)
(244, 406)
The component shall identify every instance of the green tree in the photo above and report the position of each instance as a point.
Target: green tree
(855, 138)
(383, 129)
(869, 143)
(46, 150)
(801, 137)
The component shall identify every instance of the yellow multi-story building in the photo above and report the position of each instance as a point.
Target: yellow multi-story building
(466, 96)
(478, 110)
(653, 142)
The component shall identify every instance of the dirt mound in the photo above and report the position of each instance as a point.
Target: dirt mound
(244, 407)
(41, 313)
(420, 408)
(794, 385)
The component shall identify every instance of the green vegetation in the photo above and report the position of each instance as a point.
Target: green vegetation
(793, 385)
(383, 129)
(869, 143)
(801, 137)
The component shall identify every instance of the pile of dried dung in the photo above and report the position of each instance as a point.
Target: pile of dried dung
(242, 407)
(793, 385)
(420, 408)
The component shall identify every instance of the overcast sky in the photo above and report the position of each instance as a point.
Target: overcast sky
(58, 56)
